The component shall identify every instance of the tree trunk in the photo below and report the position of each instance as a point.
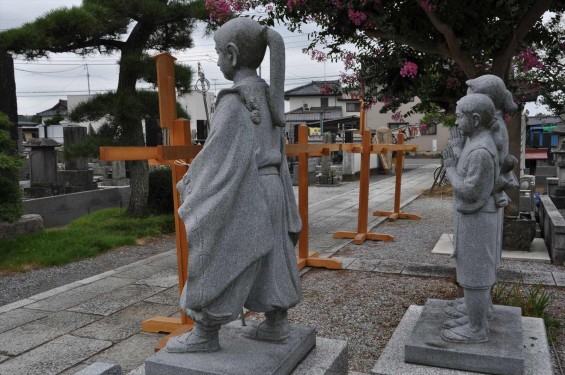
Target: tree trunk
(8, 100)
(129, 117)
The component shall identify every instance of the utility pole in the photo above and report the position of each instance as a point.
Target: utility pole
(87, 78)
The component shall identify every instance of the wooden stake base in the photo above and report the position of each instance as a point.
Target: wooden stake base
(393, 216)
(314, 260)
(179, 331)
(359, 238)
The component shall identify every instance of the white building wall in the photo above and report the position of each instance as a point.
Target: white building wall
(193, 104)
(73, 101)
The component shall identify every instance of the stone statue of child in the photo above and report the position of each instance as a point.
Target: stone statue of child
(238, 206)
(494, 87)
(474, 174)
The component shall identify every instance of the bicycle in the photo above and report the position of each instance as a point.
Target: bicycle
(440, 177)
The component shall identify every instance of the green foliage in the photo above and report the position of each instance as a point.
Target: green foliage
(10, 192)
(449, 41)
(55, 120)
(85, 237)
(533, 300)
(439, 117)
(90, 146)
(161, 191)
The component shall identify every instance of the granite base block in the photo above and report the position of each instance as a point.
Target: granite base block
(503, 354)
(238, 356)
(537, 359)
(101, 368)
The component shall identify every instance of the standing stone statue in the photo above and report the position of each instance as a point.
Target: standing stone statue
(495, 89)
(474, 172)
(238, 206)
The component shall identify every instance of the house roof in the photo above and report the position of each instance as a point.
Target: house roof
(60, 108)
(313, 114)
(549, 120)
(315, 88)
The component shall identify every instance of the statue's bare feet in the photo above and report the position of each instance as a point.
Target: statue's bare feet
(464, 334)
(192, 343)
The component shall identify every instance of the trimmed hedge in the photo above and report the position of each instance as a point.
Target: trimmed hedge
(161, 191)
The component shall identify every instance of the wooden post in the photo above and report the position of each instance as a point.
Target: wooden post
(397, 213)
(305, 258)
(178, 135)
(362, 231)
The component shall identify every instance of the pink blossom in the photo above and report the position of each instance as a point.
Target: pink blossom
(318, 55)
(355, 16)
(528, 60)
(387, 100)
(327, 89)
(428, 6)
(397, 117)
(269, 8)
(338, 4)
(220, 10)
(409, 69)
(507, 117)
(349, 60)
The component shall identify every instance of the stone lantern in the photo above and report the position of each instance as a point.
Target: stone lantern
(43, 164)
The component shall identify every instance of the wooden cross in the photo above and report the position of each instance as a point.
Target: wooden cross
(397, 213)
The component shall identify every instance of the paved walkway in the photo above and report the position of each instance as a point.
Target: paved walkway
(63, 330)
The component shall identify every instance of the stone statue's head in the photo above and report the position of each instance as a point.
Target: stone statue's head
(474, 112)
(494, 87)
(244, 37)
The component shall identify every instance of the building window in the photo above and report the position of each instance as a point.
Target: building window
(324, 102)
(428, 129)
(353, 107)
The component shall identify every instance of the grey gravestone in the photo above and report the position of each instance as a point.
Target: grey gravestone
(43, 168)
(76, 177)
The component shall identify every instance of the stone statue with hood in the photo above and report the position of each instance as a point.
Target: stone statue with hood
(237, 201)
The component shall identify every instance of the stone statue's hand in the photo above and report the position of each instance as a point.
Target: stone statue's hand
(456, 141)
(449, 158)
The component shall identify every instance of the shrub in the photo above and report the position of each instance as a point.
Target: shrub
(161, 191)
(10, 192)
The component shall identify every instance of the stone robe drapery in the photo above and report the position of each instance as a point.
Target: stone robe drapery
(225, 207)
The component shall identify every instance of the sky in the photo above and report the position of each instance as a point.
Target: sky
(42, 82)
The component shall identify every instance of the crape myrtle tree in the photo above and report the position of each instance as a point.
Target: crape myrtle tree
(427, 48)
(131, 29)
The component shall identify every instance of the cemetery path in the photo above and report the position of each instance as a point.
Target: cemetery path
(96, 306)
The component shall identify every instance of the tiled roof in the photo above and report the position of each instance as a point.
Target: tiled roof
(60, 107)
(313, 114)
(313, 89)
(549, 120)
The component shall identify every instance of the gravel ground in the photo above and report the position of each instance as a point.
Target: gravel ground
(17, 286)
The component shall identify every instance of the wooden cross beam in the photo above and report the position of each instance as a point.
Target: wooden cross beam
(397, 213)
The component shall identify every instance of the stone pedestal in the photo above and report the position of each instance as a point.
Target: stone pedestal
(503, 354)
(537, 360)
(75, 181)
(238, 356)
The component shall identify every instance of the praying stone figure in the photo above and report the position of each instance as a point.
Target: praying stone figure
(494, 87)
(238, 205)
(474, 173)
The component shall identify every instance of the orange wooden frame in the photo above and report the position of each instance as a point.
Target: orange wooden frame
(397, 213)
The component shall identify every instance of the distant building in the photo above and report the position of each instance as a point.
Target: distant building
(323, 107)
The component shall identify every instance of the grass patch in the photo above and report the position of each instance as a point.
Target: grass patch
(533, 300)
(85, 237)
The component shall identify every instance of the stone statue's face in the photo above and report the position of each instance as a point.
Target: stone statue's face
(225, 62)
(465, 122)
